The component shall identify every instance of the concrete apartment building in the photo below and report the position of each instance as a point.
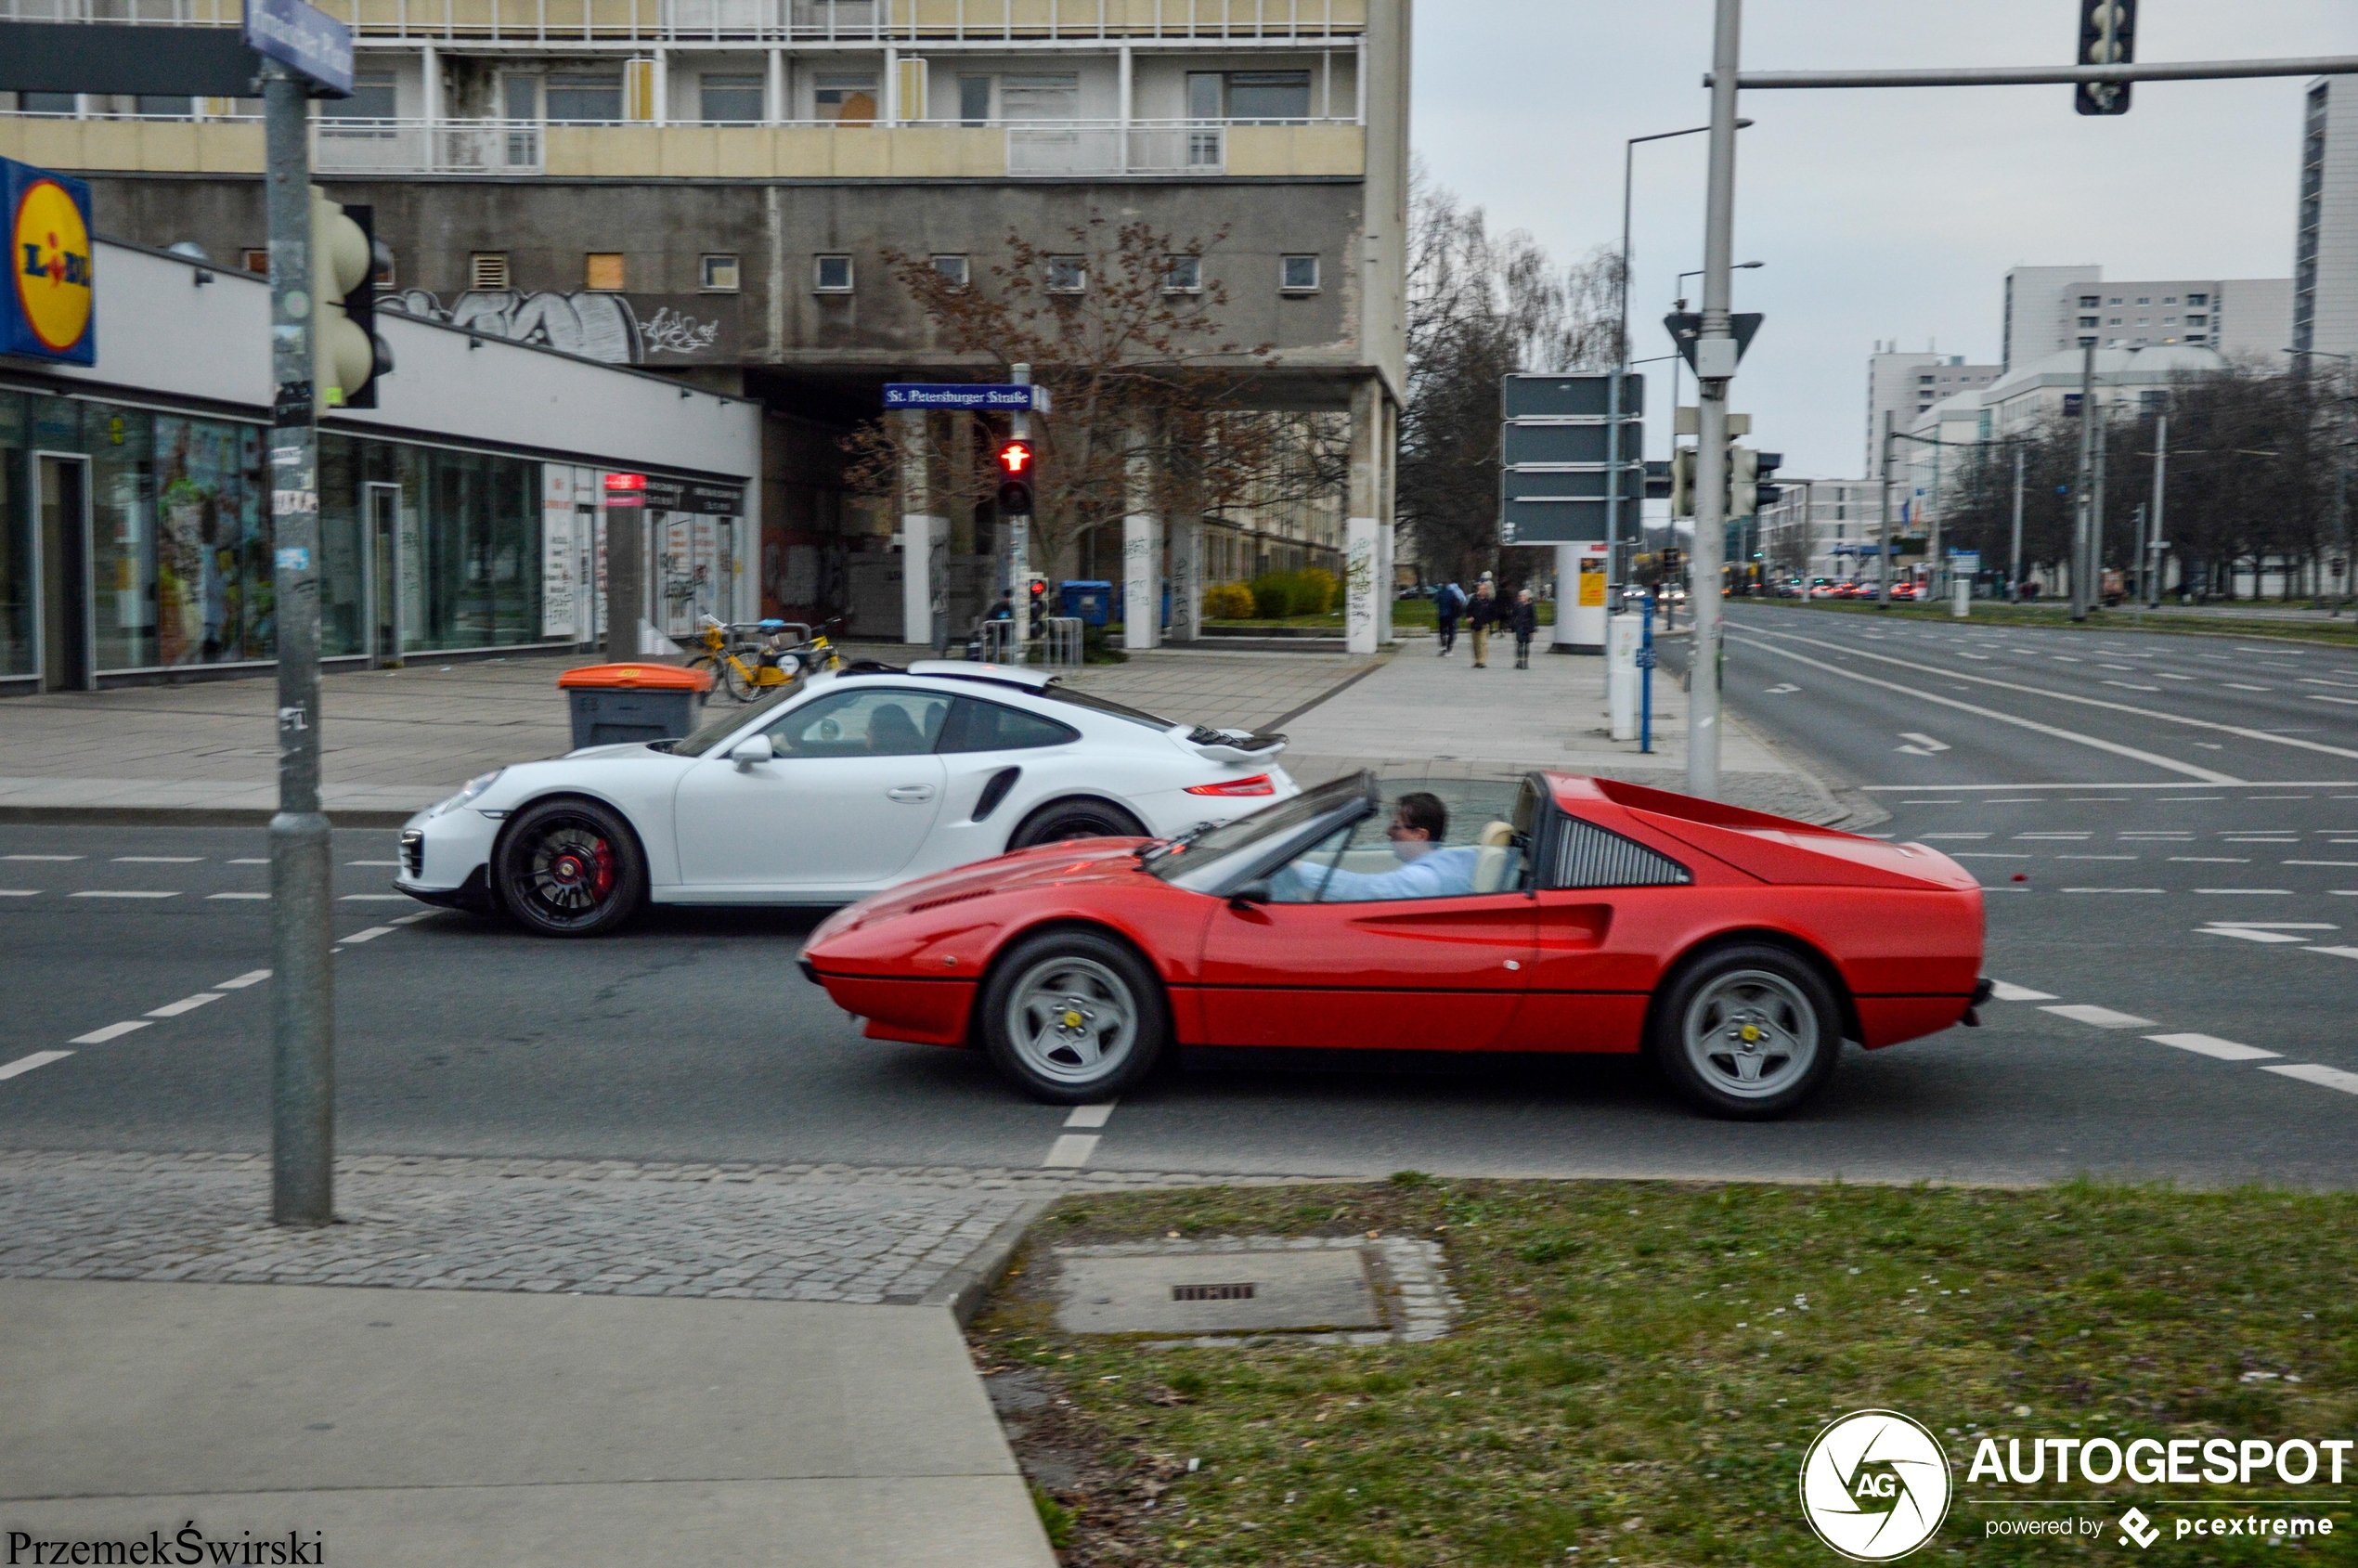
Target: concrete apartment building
(1824, 528)
(708, 189)
(2325, 282)
(1905, 385)
(2049, 309)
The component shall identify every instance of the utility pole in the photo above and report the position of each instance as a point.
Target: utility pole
(2102, 446)
(2084, 482)
(302, 1079)
(2014, 571)
(1018, 544)
(2156, 540)
(1883, 526)
(1716, 355)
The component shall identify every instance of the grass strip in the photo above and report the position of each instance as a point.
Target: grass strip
(1641, 1366)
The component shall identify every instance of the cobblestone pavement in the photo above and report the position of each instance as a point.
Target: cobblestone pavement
(811, 1233)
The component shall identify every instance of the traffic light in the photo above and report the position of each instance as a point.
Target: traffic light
(1743, 480)
(347, 355)
(2107, 36)
(1016, 460)
(1767, 495)
(1683, 482)
(1036, 596)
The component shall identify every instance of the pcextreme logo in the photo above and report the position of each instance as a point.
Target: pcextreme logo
(49, 266)
(1874, 1486)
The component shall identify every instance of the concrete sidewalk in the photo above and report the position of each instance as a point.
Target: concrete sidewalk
(400, 740)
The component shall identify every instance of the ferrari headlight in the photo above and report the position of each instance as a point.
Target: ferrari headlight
(474, 787)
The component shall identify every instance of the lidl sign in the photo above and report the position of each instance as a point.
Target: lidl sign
(50, 303)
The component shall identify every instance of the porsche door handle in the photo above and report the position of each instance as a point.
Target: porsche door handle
(910, 795)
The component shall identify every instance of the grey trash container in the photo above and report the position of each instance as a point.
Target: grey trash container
(633, 702)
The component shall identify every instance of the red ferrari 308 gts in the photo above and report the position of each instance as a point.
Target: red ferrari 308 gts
(1737, 949)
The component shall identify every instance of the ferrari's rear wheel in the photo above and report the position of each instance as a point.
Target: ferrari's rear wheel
(1747, 1032)
(1061, 820)
(570, 868)
(1074, 1016)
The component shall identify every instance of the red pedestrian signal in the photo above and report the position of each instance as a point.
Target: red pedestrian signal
(1015, 459)
(1015, 462)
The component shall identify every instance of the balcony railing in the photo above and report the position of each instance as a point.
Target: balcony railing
(418, 147)
(859, 21)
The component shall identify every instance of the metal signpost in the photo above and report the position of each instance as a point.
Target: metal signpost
(1571, 469)
(304, 49)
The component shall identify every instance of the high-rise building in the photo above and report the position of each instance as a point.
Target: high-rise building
(2049, 309)
(2325, 300)
(1905, 385)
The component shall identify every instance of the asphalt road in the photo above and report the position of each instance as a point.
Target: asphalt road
(2179, 849)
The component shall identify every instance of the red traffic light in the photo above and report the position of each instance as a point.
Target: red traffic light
(1015, 459)
(1039, 589)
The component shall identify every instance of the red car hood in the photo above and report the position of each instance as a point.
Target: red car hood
(1092, 859)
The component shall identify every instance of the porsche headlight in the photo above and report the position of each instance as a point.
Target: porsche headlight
(474, 787)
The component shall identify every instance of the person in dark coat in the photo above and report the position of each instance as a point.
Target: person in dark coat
(1449, 604)
(1522, 619)
(1485, 613)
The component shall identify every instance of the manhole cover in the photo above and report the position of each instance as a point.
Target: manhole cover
(1205, 1292)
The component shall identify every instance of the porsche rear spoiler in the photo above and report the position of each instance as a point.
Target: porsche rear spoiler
(1229, 746)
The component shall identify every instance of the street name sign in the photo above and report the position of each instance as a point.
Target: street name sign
(305, 39)
(988, 397)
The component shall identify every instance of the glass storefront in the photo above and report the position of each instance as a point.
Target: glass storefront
(16, 582)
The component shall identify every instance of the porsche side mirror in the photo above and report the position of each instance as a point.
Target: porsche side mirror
(1256, 891)
(753, 749)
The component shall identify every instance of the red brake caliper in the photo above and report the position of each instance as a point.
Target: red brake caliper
(603, 882)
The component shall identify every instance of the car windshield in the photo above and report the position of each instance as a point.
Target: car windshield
(1103, 705)
(1195, 853)
(729, 723)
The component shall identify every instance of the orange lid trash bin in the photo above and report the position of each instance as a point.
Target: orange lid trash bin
(615, 703)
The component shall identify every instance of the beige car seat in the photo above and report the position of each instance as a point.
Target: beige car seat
(1495, 860)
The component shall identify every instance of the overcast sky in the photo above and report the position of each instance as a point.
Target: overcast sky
(1886, 213)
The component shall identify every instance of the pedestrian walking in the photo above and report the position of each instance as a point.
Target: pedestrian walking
(1449, 604)
(1522, 619)
(1482, 614)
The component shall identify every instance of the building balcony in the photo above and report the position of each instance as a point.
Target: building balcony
(784, 21)
(352, 149)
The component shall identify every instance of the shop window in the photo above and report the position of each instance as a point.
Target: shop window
(1298, 275)
(16, 541)
(717, 275)
(487, 271)
(953, 270)
(602, 272)
(731, 101)
(832, 275)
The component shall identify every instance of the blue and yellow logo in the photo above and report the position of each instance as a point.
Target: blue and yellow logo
(49, 262)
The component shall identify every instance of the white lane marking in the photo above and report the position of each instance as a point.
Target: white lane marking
(2178, 835)
(2006, 991)
(26, 1064)
(2211, 1045)
(186, 1005)
(2168, 674)
(2256, 892)
(373, 862)
(1949, 835)
(2155, 714)
(413, 919)
(2065, 658)
(2246, 934)
(157, 860)
(252, 977)
(20, 892)
(40, 857)
(2075, 836)
(2131, 685)
(2312, 1072)
(121, 893)
(1984, 855)
(2321, 697)
(2121, 668)
(2241, 686)
(374, 898)
(264, 860)
(2269, 837)
(2321, 862)
(371, 934)
(2096, 857)
(2210, 860)
(2101, 1017)
(2337, 952)
(2114, 890)
(1780, 689)
(1091, 1116)
(1930, 802)
(214, 898)
(1070, 1151)
(112, 1031)
(2277, 925)
(1924, 745)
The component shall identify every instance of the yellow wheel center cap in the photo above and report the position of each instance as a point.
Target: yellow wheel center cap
(1072, 1020)
(1751, 1034)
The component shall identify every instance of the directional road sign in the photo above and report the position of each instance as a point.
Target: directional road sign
(1558, 478)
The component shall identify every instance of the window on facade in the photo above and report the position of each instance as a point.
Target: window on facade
(2197, 299)
(584, 96)
(173, 107)
(953, 270)
(974, 101)
(2088, 321)
(731, 101)
(1298, 275)
(2144, 299)
(1040, 96)
(2112, 320)
(44, 103)
(717, 275)
(2113, 300)
(372, 99)
(833, 275)
(1068, 275)
(520, 97)
(1183, 275)
(2090, 302)
(2144, 320)
(1268, 94)
(487, 271)
(602, 272)
(847, 101)
(255, 259)
(2197, 320)
(2170, 321)
(1924, 380)
(2169, 299)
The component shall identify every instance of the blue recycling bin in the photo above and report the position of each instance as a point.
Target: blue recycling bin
(1091, 602)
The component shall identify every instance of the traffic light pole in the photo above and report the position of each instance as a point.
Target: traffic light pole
(1716, 355)
(1019, 544)
(301, 994)
(2083, 482)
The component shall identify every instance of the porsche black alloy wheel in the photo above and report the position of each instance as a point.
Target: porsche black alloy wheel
(1060, 819)
(570, 868)
(1074, 1016)
(1746, 1031)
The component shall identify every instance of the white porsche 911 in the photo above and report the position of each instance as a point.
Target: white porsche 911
(837, 788)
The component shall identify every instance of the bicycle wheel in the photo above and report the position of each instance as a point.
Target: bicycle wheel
(736, 678)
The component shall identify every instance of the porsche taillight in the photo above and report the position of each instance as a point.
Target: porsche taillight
(1258, 785)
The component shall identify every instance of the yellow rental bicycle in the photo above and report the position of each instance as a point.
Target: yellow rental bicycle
(744, 658)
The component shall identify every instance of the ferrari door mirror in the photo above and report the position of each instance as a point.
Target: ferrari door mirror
(1256, 891)
(752, 749)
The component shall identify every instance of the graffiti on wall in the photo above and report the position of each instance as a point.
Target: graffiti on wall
(596, 326)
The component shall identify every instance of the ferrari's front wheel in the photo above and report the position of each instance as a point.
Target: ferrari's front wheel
(1074, 1016)
(1747, 1032)
(569, 868)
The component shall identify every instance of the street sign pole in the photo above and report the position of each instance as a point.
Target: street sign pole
(2083, 483)
(2156, 540)
(1018, 540)
(1716, 355)
(302, 997)
(2014, 562)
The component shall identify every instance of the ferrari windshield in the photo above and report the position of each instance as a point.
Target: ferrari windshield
(1193, 855)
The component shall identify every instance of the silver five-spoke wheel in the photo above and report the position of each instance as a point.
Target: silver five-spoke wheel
(1751, 1033)
(1072, 1019)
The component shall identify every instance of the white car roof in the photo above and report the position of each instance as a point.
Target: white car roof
(970, 670)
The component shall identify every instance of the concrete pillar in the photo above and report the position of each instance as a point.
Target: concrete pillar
(1361, 546)
(1141, 551)
(1567, 586)
(1187, 580)
(925, 537)
(1387, 530)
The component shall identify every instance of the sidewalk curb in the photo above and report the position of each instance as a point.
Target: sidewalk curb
(181, 816)
(963, 1288)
